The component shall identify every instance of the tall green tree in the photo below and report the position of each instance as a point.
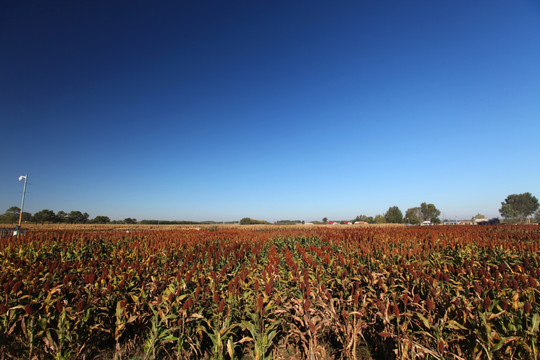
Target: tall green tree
(413, 216)
(430, 212)
(77, 217)
(363, 218)
(11, 216)
(379, 219)
(26, 217)
(478, 216)
(517, 207)
(394, 215)
(62, 216)
(45, 216)
(101, 219)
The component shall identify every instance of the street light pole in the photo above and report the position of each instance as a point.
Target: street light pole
(25, 177)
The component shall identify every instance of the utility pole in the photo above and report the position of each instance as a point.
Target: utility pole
(25, 177)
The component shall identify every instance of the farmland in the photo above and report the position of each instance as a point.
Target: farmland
(456, 292)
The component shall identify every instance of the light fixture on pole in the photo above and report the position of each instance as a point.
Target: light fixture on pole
(21, 178)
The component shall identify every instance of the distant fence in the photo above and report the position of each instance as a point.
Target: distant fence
(4, 233)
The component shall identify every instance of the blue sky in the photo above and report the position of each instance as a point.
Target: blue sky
(200, 110)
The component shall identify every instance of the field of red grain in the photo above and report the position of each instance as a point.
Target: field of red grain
(460, 292)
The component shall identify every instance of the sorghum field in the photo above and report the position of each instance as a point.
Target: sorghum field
(455, 292)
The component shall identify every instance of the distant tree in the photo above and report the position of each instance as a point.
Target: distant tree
(413, 216)
(130, 221)
(370, 220)
(62, 216)
(149, 222)
(26, 217)
(77, 217)
(394, 215)
(11, 216)
(537, 215)
(517, 207)
(45, 216)
(288, 222)
(324, 219)
(362, 218)
(430, 212)
(100, 219)
(379, 219)
(478, 216)
(248, 221)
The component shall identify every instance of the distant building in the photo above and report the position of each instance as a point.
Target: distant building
(426, 222)
(492, 221)
(451, 222)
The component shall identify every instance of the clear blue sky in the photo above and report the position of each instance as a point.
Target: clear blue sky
(200, 110)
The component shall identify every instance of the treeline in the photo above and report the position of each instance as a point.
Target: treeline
(250, 221)
(184, 222)
(414, 215)
(516, 209)
(46, 216)
(289, 222)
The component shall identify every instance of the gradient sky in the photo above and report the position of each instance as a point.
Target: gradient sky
(203, 110)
